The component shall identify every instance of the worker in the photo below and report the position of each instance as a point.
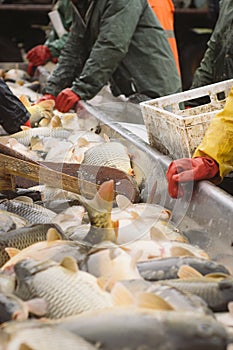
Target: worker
(164, 10)
(51, 49)
(117, 42)
(13, 114)
(212, 160)
(217, 63)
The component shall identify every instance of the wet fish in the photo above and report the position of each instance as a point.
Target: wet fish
(13, 308)
(137, 328)
(99, 212)
(167, 268)
(111, 154)
(136, 220)
(25, 136)
(38, 111)
(67, 290)
(159, 297)
(160, 247)
(112, 264)
(24, 237)
(71, 217)
(15, 74)
(33, 213)
(33, 336)
(53, 248)
(10, 221)
(7, 283)
(216, 291)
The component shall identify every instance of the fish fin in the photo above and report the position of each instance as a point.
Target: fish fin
(79, 158)
(217, 275)
(55, 121)
(106, 191)
(25, 128)
(82, 142)
(25, 100)
(134, 214)
(102, 282)
(152, 301)
(121, 296)
(47, 104)
(12, 251)
(37, 306)
(180, 251)
(116, 227)
(114, 253)
(186, 271)
(69, 263)
(24, 199)
(53, 235)
(135, 256)
(25, 346)
(157, 235)
(44, 122)
(123, 202)
(106, 138)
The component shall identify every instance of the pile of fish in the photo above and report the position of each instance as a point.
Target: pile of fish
(101, 272)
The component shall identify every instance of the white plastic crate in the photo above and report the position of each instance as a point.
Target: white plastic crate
(176, 131)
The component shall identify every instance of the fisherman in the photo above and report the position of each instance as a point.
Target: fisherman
(213, 158)
(51, 49)
(164, 10)
(13, 114)
(217, 63)
(118, 42)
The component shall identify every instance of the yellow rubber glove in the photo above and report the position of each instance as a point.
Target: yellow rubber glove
(218, 140)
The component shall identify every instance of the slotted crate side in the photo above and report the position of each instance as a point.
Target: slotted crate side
(177, 132)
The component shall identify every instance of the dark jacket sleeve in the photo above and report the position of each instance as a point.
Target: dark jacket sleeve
(13, 114)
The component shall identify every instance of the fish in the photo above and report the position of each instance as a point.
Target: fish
(111, 265)
(10, 221)
(7, 283)
(111, 154)
(159, 297)
(167, 268)
(13, 308)
(160, 247)
(136, 219)
(15, 74)
(67, 289)
(33, 213)
(70, 217)
(30, 335)
(99, 213)
(38, 111)
(25, 136)
(137, 328)
(53, 248)
(215, 289)
(24, 237)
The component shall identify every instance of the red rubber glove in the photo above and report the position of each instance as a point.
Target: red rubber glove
(39, 55)
(189, 169)
(46, 97)
(65, 100)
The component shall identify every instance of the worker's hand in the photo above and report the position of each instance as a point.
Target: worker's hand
(46, 97)
(65, 100)
(189, 169)
(39, 55)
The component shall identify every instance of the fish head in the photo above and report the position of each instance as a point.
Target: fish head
(12, 308)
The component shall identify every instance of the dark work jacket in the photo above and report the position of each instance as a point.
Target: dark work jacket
(217, 63)
(13, 114)
(116, 41)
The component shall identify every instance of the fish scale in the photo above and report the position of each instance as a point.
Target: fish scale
(209, 289)
(67, 292)
(33, 213)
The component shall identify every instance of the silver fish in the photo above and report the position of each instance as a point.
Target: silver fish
(137, 328)
(67, 290)
(25, 136)
(33, 213)
(10, 221)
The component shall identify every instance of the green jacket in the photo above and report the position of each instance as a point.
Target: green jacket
(116, 41)
(217, 63)
(54, 43)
